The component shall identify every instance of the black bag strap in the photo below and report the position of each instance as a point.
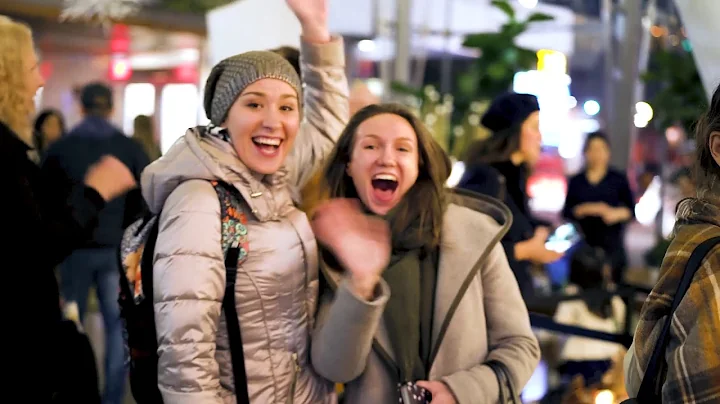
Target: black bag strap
(232, 256)
(650, 386)
(147, 258)
(504, 381)
(233, 324)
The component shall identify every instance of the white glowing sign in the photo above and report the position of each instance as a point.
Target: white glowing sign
(553, 92)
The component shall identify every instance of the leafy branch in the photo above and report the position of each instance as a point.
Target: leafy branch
(681, 93)
(490, 75)
(192, 6)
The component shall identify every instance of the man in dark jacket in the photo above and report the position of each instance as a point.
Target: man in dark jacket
(97, 263)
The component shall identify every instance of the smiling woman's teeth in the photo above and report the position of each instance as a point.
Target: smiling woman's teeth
(267, 141)
(387, 177)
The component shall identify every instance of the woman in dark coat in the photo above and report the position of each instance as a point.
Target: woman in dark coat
(49, 127)
(600, 201)
(499, 167)
(42, 223)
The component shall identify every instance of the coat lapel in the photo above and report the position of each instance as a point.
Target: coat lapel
(457, 258)
(467, 239)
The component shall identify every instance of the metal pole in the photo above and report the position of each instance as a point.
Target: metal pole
(446, 66)
(383, 33)
(623, 131)
(609, 65)
(644, 56)
(403, 34)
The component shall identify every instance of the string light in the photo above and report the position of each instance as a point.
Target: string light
(102, 10)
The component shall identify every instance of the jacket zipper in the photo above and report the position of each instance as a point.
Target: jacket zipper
(293, 382)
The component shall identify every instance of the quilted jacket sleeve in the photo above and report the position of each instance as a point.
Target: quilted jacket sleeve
(326, 107)
(188, 287)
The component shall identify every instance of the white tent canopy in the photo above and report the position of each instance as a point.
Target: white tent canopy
(262, 24)
(700, 20)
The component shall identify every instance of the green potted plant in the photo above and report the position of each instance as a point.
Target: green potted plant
(193, 6)
(681, 93)
(490, 74)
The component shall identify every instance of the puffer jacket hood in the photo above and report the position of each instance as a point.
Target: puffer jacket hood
(200, 155)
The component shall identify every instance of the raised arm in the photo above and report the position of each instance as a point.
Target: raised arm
(188, 285)
(348, 318)
(325, 90)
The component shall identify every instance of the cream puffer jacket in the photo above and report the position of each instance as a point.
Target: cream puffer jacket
(277, 286)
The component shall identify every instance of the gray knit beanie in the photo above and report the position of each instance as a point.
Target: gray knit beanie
(229, 78)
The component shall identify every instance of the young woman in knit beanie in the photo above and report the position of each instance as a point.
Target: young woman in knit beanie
(258, 143)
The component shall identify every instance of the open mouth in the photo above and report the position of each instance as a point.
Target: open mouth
(268, 146)
(384, 187)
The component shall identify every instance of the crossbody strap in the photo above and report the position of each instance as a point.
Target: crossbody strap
(237, 354)
(650, 386)
(234, 242)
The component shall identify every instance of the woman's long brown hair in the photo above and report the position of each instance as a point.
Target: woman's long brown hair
(707, 171)
(497, 148)
(425, 200)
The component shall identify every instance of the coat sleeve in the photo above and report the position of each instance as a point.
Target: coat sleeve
(188, 288)
(326, 107)
(344, 330)
(66, 213)
(510, 338)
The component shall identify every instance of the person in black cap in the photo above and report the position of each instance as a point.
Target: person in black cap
(96, 262)
(499, 167)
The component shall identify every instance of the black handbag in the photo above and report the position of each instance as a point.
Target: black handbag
(650, 386)
(508, 393)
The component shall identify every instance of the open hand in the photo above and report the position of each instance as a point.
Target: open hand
(591, 209)
(110, 177)
(545, 256)
(361, 243)
(313, 16)
(614, 215)
(539, 254)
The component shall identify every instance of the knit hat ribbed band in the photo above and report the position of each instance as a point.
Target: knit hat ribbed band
(229, 78)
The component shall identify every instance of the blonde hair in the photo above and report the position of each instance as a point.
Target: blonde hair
(15, 38)
(144, 133)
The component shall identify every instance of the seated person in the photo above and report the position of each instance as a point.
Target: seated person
(590, 358)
